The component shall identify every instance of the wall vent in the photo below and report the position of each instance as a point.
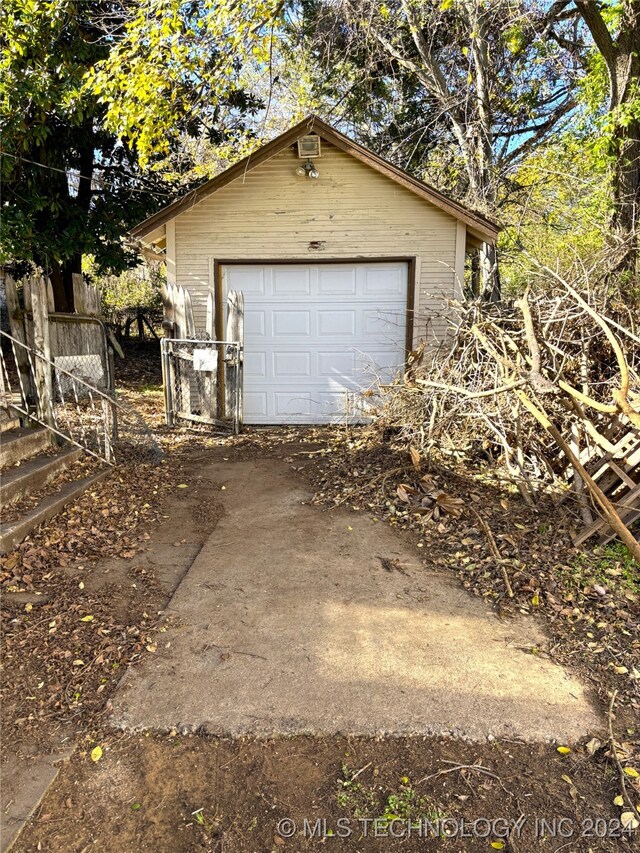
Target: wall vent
(309, 147)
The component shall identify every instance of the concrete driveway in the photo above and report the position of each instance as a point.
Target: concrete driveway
(288, 623)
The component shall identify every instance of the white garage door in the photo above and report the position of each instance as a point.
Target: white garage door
(315, 335)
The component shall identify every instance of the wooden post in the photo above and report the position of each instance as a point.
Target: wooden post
(182, 372)
(17, 326)
(42, 345)
(79, 293)
(233, 369)
(51, 302)
(211, 398)
(188, 314)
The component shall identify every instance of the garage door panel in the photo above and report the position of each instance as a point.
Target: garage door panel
(255, 364)
(255, 405)
(337, 363)
(386, 325)
(334, 323)
(384, 282)
(287, 403)
(291, 364)
(287, 322)
(334, 281)
(291, 281)
(255, 323)
(250, 280)
(383, 364)
(317, 334)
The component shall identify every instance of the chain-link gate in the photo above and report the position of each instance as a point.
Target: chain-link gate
(203, 381)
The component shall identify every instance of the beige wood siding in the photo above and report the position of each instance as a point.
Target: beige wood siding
(351, 210)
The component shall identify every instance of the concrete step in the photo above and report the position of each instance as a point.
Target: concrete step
(9, 424)
(35, 473)
(9, 417)
(19, 444)
(13, 532)
(8, 420)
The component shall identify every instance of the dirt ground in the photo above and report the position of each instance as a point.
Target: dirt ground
(173, 794)
(195, 792)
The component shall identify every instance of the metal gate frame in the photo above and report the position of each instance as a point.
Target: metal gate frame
(225, 382)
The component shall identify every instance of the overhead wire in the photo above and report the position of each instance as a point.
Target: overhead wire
(72, 174)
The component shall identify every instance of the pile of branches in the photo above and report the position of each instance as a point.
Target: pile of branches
(530, 384)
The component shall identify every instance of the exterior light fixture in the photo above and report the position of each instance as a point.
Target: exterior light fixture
(308, 169)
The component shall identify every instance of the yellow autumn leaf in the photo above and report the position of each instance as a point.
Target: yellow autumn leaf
(535, 600)
(631, 771)
(96, 753)
(78, 662)
(28, 607)
(497, 845)
(183, 486)
(563, 750)
(87, 619)
(618, 801)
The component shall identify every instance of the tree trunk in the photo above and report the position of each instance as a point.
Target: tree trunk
(621, 54)
(61, 275)
(626, 192)
(489, 274)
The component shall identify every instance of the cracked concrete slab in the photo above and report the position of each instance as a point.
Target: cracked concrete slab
(288, 623)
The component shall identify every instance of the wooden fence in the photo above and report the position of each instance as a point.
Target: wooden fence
(78, 342)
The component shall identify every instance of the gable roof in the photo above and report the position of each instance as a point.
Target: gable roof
(479, 224)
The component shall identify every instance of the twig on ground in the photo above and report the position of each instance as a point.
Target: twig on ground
(496, 553)
(477, 768)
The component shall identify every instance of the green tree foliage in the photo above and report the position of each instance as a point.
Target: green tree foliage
(69, 187)
(176, 68)
(556, 213)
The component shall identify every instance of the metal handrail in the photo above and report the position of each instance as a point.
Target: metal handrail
(23, 407)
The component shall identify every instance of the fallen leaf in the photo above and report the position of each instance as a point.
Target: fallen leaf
(631, 771)
(183, 486)
(87, 619)
(629, 820)
(96, 753)
(619, 800)
(563, 750)
(593, 745)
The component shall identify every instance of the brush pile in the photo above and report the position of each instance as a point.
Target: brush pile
(549, 387)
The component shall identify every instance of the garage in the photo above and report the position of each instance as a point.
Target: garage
(345, 262)
(316, 335)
